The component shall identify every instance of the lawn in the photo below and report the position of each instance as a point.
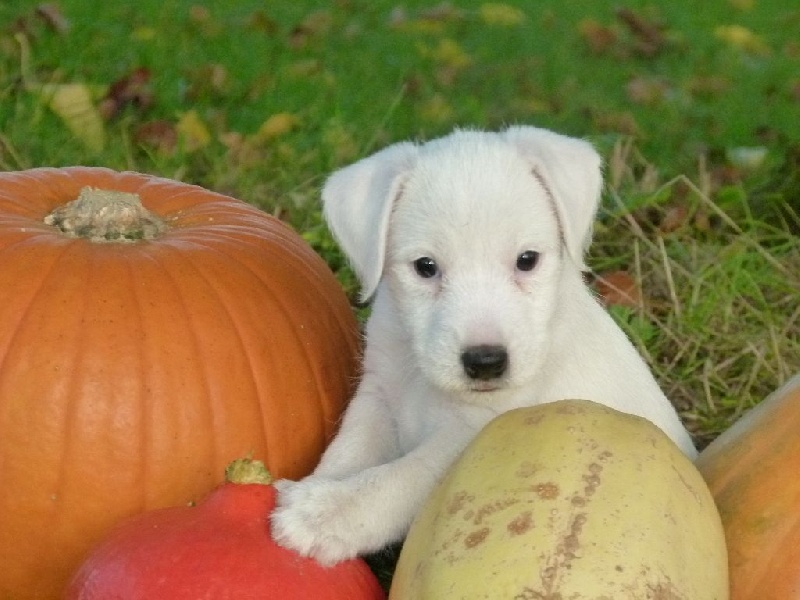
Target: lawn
(696, 113)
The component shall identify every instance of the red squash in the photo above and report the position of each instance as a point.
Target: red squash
(220, 549)
(751, 470)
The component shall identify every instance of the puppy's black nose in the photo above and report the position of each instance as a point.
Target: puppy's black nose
(484, 362)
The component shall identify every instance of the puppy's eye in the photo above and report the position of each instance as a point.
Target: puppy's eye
(426, 267)
(527, 260)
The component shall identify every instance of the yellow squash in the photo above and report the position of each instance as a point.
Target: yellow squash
(567, 500)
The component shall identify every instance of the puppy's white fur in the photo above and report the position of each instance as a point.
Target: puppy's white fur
(473, 202)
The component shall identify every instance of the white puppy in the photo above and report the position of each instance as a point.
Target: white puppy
(472, 246)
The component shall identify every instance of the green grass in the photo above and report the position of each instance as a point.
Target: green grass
(670, 109)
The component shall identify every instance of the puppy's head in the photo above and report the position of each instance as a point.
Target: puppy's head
(470, 234)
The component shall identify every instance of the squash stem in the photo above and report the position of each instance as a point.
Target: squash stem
(106, 216)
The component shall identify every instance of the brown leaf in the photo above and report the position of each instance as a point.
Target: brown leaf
(649, 35)
(208, 81)
(675, 217)
(618, 288)
(794, 90)
(160, 135)
(598, 37)
(131, 90)
(315, 25)
(620, 122)
(646, 90)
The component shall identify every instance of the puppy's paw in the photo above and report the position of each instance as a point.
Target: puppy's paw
(318, 518)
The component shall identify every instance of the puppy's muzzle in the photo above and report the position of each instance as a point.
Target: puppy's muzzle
(484, 362)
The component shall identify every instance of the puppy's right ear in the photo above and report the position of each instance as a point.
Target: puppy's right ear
(357, 203)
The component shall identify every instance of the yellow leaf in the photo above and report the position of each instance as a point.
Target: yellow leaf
(742, 38)
(144, 34)
(73, 103)
(277, 125)
(193, 131)
(495, 13)
(450, 54)
(743, 4)
(437, 110)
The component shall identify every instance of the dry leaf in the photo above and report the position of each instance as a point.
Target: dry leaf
(133, 89)
(437, 110)
(650, 39)
(315, 25)
(275, 126)
(618, 288)
(160, 135)
(598, 37)
(495, 13)
(73, 103)
(675, 217)
(192, 131)
(448, 53)
(742, 38)
(645, 90)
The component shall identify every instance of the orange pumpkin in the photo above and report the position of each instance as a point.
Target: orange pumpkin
(131, 373)
(751, 471)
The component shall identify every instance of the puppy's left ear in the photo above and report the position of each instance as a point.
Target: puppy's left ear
(571, 170)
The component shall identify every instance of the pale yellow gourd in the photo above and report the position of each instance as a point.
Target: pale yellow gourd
(569, 500)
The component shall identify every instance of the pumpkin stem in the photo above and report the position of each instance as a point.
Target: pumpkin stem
(106, 216)
(247, 470)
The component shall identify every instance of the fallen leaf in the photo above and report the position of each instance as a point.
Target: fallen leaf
(619, 122)
(428, 21)
(192, 131)
(260, 21)
(504, 15)
(208, 81)
(340, 141)
(160, 135)
(675, 217)
(74, 104)
(742, 38)
(437, 110)
(443, 12)
(709, 85)
(275, 126)
(133, 89)
(649, 35)
(794, 90)
(598, 37)
(448, 53)
(646, 90)
(618, 288)
(315, 25)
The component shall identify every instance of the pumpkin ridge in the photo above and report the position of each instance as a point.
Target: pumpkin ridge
(33, 296)
(327, 424)
(313, 279)
(146, 409)
(68, 421)
(269, 443)
(180, 256)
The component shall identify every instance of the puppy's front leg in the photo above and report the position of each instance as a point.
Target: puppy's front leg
(366, 437)
(333, 520)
